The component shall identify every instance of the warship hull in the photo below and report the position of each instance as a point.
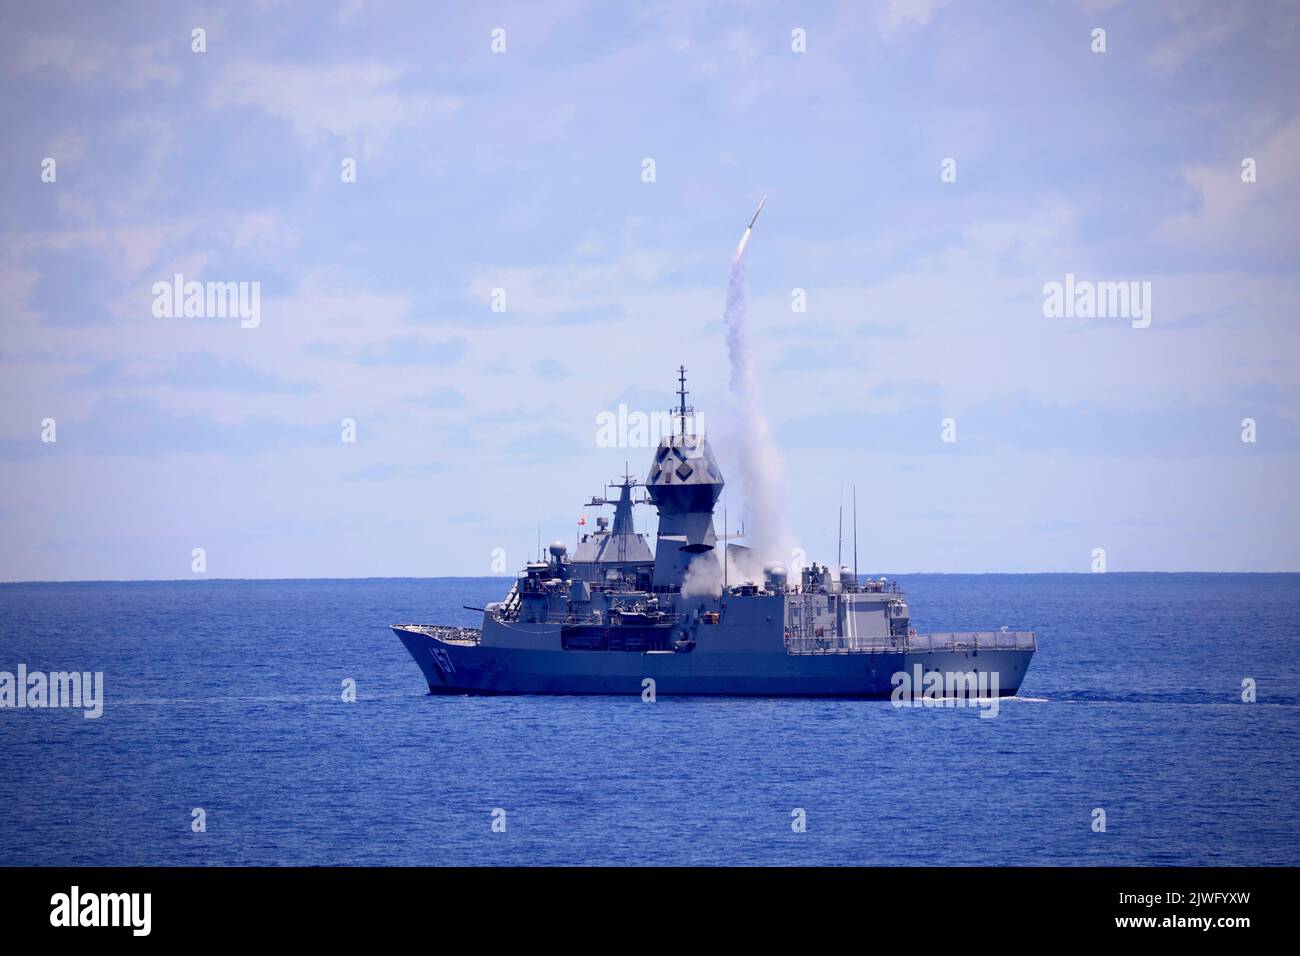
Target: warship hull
(618, 617)
(452, 667)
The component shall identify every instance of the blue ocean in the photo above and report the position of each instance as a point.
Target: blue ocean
(227, 696)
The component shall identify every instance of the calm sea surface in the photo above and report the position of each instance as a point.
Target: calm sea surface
(226, 695)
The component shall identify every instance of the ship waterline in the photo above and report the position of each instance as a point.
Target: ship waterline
(462, 667)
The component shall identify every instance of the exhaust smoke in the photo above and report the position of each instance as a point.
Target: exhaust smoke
(761, 474)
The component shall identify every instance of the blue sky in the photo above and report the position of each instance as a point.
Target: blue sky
(522, 171)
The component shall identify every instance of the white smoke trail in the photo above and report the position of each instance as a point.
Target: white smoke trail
(762, 470)
(704, 576)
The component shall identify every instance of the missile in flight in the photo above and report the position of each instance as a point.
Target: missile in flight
(744, 238)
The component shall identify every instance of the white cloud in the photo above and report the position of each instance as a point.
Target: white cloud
(1196, 30)
(351, 101)
(349, 9)
(98, 62)
(1259, 215)
(541, 291)
(893, 16)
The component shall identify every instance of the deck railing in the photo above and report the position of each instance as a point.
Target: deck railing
(472, 635)
(662, 620)
(914, 643)
(453, 635)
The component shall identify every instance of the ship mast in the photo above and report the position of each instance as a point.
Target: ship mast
(839, 548)
(682, 393)
(855, 536)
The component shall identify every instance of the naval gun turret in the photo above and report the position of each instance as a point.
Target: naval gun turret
(684, 483)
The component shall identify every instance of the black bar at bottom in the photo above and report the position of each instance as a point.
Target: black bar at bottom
(944, 906)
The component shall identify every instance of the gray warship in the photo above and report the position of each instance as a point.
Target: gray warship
(616, 617)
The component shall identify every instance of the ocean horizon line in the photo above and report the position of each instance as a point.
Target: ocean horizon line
(201, 579)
